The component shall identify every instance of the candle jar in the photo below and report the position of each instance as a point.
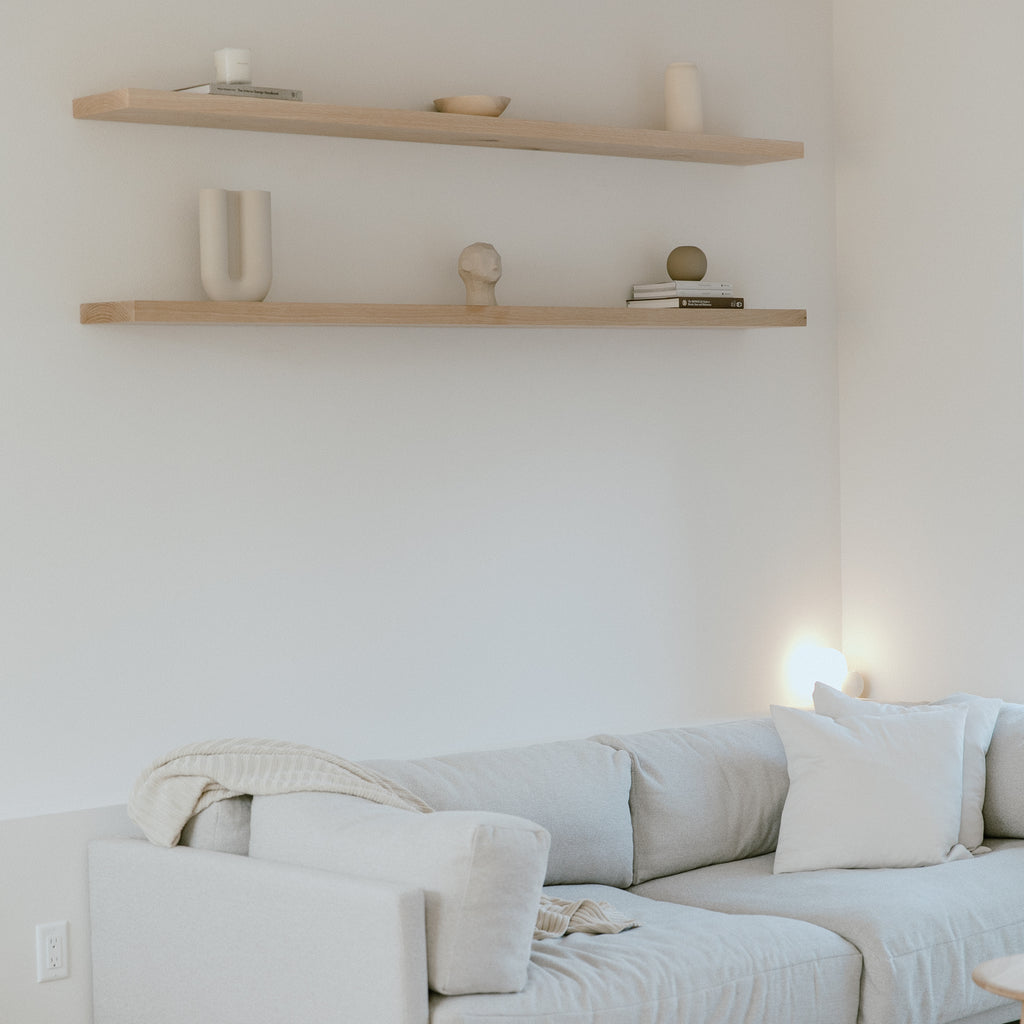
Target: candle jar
(233, 66)
(683, 106)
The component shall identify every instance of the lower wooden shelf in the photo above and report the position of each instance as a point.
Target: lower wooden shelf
(139, 311)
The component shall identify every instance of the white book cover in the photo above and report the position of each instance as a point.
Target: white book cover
(688, 293)
(269, 92)
(665, 286)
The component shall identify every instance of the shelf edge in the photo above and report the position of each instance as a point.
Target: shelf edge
(398, 315)
(152, 106)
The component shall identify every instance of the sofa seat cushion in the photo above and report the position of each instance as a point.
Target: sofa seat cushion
(577, 789)
(680, 964)
(920, 930)
(481, 874)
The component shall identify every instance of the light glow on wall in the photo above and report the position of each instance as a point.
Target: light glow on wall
(811, 663)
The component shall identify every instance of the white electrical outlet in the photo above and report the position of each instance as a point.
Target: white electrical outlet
(51, 951)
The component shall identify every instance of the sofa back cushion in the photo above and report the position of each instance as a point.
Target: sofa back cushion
(704, 795)
(1004, 775)
(481, 874)
(222, 827)
(576, 789)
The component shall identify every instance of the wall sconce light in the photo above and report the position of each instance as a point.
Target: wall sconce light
(812, 663)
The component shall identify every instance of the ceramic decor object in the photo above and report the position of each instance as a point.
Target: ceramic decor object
(482, 106)
(234, 244)
(480, 268)
(684, 111)
(686, 263)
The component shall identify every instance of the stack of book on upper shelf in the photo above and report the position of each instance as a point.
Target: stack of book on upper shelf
(692, 294)
(259, 92)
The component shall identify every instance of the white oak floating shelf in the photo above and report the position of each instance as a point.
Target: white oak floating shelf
(367, 314)
(151, 106)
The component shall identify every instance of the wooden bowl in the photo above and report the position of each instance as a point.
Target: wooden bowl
(482, 106)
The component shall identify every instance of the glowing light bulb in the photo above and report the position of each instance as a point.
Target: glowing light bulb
(811, 663)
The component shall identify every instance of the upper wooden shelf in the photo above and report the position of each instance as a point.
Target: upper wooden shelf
(151, 106)
(391, 315)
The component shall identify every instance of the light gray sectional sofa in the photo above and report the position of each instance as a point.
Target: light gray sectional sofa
(328, 909)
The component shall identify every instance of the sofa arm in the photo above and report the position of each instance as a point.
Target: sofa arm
(196, 937)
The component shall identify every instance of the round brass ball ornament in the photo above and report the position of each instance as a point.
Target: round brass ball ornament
(686, 263)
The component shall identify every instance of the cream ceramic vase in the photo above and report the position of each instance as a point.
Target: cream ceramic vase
(234, 244)
(684, 111)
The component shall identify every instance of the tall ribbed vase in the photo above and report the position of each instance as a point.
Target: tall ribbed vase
(234, 244)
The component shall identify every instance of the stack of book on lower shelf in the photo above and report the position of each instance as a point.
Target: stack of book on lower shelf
(692, 294)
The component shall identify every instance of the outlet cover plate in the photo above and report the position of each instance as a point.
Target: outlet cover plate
(52, 951)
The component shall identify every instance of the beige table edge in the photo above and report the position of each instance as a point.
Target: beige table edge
(1002, 977)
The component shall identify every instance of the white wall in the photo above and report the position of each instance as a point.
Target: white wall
(400, 541)
(45, 878)
(930, 200)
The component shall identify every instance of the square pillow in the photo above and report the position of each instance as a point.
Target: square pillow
(982, 713)
(871, 791)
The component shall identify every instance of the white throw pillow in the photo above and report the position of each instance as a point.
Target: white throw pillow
(982, 713)
(871, 791)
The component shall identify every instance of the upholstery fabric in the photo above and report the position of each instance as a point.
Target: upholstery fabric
(703, 795)
(681, 964)
(576, 789)
(920, 931)
(982, 713)
(194, 937)
(1004, 787)
(223, 827)
(481, 873)
(871, 791)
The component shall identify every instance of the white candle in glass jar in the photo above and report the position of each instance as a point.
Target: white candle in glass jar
(683, 106)
(234, 66)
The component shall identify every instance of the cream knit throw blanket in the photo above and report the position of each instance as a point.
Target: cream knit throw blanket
(188, 780)
(558, 917)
